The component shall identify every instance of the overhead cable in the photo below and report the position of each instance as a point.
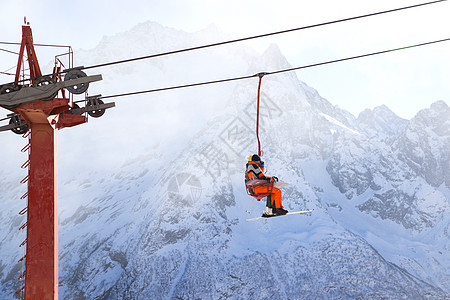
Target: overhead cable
(12, 52)
(261, 35)
(6, 73)
(276, 72)
(8, 51)
(44, 45)
(232, 41)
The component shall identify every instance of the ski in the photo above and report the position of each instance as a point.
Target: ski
(291, 213)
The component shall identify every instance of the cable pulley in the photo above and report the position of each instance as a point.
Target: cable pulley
(45, 81)
(16, 124)
(96, 107)
(20, 126)
(78, 88)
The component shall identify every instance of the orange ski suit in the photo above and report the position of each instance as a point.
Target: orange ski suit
(254, 171)
(275, 196)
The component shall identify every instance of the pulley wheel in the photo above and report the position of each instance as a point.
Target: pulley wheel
(98, 112)
(20, 129)
(76, 89)
(6, 89)
(44, 81)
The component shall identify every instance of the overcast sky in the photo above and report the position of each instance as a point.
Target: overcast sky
(406, 81)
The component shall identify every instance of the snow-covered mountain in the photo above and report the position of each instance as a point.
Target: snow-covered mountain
(152, 201)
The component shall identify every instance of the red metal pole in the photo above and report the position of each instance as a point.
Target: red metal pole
(41, 279)
(20, 60)
(27, 43)
(43, 118)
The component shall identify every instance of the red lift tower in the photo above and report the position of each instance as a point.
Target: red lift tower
(40, 106)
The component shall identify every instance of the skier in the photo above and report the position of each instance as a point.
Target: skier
(255, 171)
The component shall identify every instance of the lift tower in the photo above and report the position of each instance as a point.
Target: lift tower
(40, 106)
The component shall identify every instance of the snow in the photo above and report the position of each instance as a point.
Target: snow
(152, 199)
(336, 122)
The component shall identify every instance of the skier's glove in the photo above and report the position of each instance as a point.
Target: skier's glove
(275, 179)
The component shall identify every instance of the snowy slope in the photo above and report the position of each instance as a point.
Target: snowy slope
(152, 201)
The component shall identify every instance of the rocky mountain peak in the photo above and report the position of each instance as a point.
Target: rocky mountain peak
(144, 224)
(380, 122)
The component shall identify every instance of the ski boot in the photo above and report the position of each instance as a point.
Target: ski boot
(268, 213)
(279, 211)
